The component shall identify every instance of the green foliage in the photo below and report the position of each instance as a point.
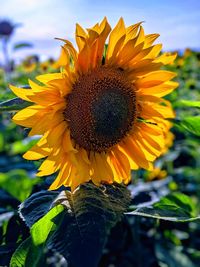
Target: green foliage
(173, 257)
(22, 45)
(19, 257)
(41, 229)
(191, 124)
(36, 206)
(27, 254)
(187, 103)
(17, 183)
(80, 225)
(175, 207)
(92, 212)
(14, 104)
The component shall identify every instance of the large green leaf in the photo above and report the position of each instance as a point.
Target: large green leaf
(90, 214)
(37, 205)
(79, 223)
(14, 104)
(30, 252)
(27, 254)
(188, 103)
(19, 257)
(191, 124)
(175, 207)
(41, 229)
(17, 183)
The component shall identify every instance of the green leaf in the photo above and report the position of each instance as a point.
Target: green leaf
(173, 256)
(17, 183)
(27, 254)
(21, 146)
(188, 103)
(36, 206)
(83, 227)
(22, 45)
(178, 200)
(191, 124)
(30, 252)
(41, 229)
(175, 207)
(19, 257)
(14, 104)
(78, 223)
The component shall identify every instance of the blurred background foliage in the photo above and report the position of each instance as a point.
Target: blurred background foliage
(136, 240)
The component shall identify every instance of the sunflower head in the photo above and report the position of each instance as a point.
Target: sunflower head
(29, 64)
(108, 104)
(6, 28)
(103, 114)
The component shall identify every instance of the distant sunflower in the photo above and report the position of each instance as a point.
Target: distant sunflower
(103, 115)
(156, 174)
(6, 28)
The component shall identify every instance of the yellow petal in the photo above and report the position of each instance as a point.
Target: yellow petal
(36, 87)
(83, 61)
(55, 135)
(147, 147)
(166, 58)
(62, 176)
(22, 93)
(155, 78)
(63, 60)
(122, 165)
(45, 78)
(150, 128)
(93, 35)
(70, 48)
(154, 51)
(160, 90)
(115, 168)
(153, 141)
(46, 122)
(30, 115)
(104, 31)
(148, 53)
(48, 167)
(140, 36)
(84, 155)
(82, 173)
(160, 106)
(101, 169)
(37, 151)
(117, 33)
(113, 59)
(132, 31)
(150, 38)
(67, 142)
(45, 99)
(136, 154)
(142, 68)
(80, 36)
(129, 51)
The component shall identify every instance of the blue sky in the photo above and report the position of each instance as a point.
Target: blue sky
(177, 21)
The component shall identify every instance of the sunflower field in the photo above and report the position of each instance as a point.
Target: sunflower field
(100, 152)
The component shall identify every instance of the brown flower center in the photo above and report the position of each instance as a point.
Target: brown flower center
(101, 109)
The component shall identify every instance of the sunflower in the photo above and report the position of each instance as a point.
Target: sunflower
(156, 174)
(29, 64)
(6, 28)
(103, 114)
